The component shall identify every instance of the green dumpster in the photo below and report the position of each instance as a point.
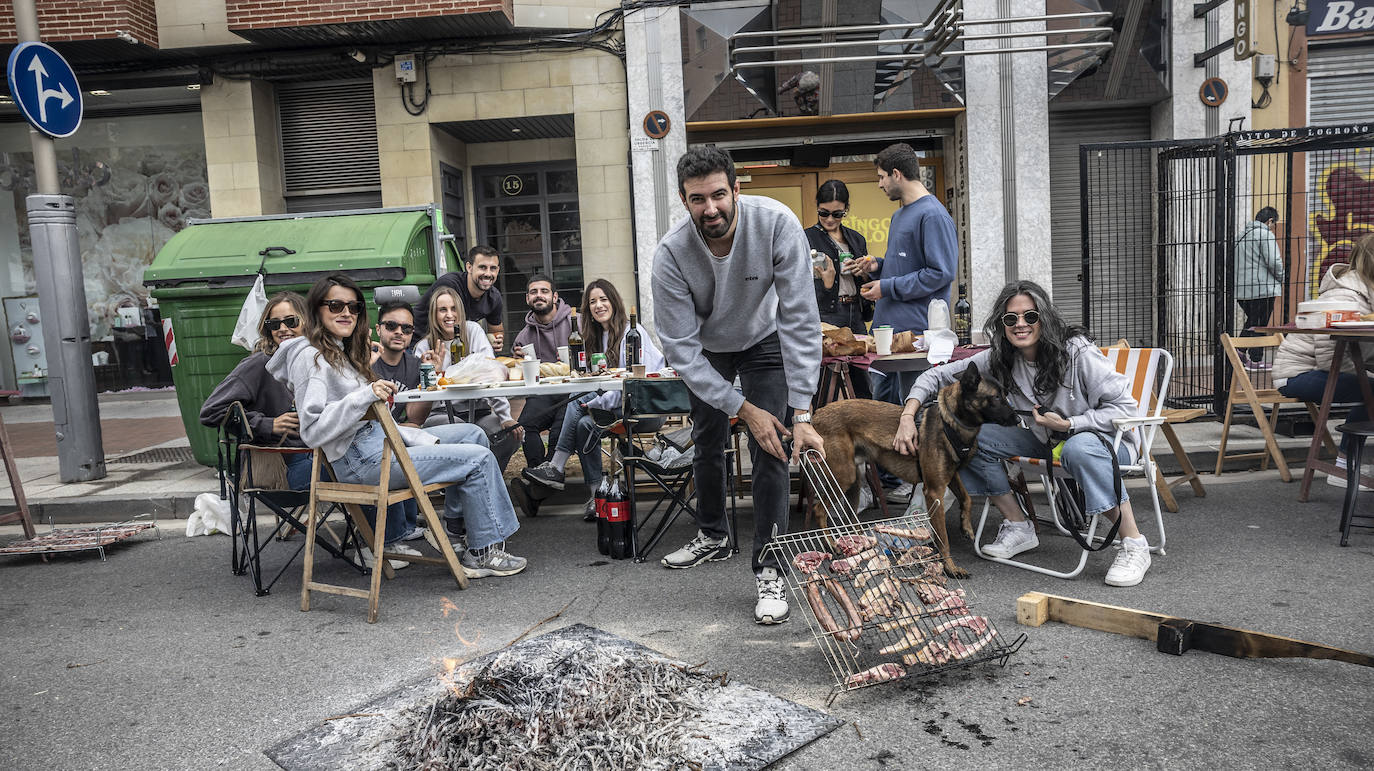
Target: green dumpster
(202, 276)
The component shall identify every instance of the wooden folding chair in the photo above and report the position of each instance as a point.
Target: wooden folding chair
(1149, 371)
(352, 496)
(1243, 392)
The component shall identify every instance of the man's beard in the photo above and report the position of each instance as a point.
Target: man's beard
(541, 307)
(719, 228)
(893, 194)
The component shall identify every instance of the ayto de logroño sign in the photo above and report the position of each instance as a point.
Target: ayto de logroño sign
(1340, 17)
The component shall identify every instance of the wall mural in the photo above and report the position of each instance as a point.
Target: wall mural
(1342, 211)
(129, 202)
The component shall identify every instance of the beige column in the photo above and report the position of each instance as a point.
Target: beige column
(242, 151)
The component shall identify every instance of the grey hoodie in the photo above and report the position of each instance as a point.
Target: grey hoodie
(1259, 269)
(1094, 395)
(547, 337)
(330, 401)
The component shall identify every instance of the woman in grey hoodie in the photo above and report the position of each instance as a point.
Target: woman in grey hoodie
(329, 373)
(1052, 372)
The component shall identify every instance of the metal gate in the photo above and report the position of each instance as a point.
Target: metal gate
(1161, 221)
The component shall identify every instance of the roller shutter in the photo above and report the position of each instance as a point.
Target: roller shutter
(329, 146)
(1069, 130)
(1339, 84)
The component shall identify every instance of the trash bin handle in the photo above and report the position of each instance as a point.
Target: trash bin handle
(282, 249)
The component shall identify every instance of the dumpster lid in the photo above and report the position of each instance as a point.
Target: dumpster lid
(232, 251)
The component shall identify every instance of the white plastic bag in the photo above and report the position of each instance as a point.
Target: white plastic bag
(477, 368)
(211, 515)
(937, 315)
(246, 331)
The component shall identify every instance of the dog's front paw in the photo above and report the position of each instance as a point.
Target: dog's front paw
(954, 571)
(967, 529)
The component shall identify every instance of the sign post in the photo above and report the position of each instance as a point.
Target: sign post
(45, 89)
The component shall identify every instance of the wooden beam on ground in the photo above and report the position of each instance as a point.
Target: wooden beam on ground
(1174, 635)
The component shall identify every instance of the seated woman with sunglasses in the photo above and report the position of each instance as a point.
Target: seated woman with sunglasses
(266, 402)
(328, 370)
(838, 277)
(604, 324)
(446, 317)
(1051, 371)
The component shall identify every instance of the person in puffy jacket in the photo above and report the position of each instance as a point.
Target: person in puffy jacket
(1259, 278)
(1302, 362)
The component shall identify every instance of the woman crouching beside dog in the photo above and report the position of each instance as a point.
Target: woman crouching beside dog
(1052, 371)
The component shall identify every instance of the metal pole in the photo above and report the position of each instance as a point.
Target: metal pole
(62, 302)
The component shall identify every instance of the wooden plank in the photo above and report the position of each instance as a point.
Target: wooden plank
(1032, 609)
(1096, 615)
(348, 591)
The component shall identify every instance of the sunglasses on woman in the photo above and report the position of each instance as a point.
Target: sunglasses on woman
(392, 326)
(838, 214)
(272, 325)
(1011, 319)
(337, 306)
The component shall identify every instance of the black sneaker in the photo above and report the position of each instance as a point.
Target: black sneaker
(545, 474)
(520, 496)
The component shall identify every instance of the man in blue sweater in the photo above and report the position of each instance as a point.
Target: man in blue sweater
(733, 297)
(922, 259)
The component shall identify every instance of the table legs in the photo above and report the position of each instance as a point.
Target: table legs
(1314, 462)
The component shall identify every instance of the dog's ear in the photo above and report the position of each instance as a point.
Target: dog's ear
(970, 379)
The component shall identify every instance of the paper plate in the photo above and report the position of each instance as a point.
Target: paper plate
(591, 378)
(465, 386)
(1353, 324)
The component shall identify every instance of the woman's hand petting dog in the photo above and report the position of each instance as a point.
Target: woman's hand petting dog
(1053, 421)
(905, 441)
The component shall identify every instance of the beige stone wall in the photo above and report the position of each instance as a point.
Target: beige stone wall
(590, 85)
(185, 23)
(242, 151)
(560, 14)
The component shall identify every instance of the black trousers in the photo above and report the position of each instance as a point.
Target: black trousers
(761, 374)
(1257, 313)
(539, 415)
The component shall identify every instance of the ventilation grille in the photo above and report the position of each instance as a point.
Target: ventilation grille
(328, 138)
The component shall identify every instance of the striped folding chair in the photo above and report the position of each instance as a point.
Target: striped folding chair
(1148, 370)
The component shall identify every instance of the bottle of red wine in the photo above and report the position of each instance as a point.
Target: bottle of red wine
(577, 352)
(634, 349)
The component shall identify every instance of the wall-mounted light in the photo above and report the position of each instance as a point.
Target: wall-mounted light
(126, 37)
(99, 92)
(357, 56)
(1298, 15)
(193, 87)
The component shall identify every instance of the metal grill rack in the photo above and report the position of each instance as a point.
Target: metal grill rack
(903, 616)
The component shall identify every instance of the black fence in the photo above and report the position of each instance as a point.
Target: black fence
(1166, 225)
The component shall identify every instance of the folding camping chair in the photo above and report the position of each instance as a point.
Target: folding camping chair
(1148, 370)
(646, 404)
(256, 475)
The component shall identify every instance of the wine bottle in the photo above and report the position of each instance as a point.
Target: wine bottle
(634, 349)
(963, 317)
(577, 353)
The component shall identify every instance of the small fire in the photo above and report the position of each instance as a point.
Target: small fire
(450, 664)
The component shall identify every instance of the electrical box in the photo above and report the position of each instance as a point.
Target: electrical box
(405, 68)
(1266, 66)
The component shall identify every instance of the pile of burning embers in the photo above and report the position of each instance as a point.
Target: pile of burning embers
(590, 707)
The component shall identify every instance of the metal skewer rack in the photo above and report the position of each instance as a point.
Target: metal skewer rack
(913, 619)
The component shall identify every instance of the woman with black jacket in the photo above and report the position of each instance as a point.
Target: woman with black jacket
(838, 279)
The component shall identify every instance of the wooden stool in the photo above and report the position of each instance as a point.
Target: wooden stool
(352, 496)
(1359, 432)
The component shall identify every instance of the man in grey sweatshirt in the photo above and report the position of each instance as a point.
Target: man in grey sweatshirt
(733, 296)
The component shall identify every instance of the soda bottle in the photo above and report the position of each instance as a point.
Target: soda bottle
(634, 349)
(577, 353)
(603, 532)
(618, 520)
(963, 317)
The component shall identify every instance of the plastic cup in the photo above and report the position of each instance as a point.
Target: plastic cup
(530, 368)
(563, 354)
(882, 339)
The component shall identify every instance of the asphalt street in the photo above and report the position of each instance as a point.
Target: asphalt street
(159, 658)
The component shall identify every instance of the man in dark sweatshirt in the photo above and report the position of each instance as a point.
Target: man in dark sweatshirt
(477, 289)
(733, 296)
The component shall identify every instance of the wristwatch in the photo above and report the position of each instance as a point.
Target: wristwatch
(804, 417)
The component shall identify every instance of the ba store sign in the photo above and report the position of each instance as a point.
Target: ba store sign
(1340, 17)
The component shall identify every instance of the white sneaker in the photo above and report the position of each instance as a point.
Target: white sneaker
(865, 499)
(901, 493)
(1012, 539)
(772, 605)
(1336, 481)
(399, 548)
(415, 534)
(1131, 563)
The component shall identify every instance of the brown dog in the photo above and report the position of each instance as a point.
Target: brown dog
(859, 429)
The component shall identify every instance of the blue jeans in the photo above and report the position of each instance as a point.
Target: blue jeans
(298, 466)
(1085, 458)
(581, 435)
(477, 493)
(1311, 385)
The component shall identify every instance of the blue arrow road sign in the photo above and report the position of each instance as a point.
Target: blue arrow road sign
(45, 88)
